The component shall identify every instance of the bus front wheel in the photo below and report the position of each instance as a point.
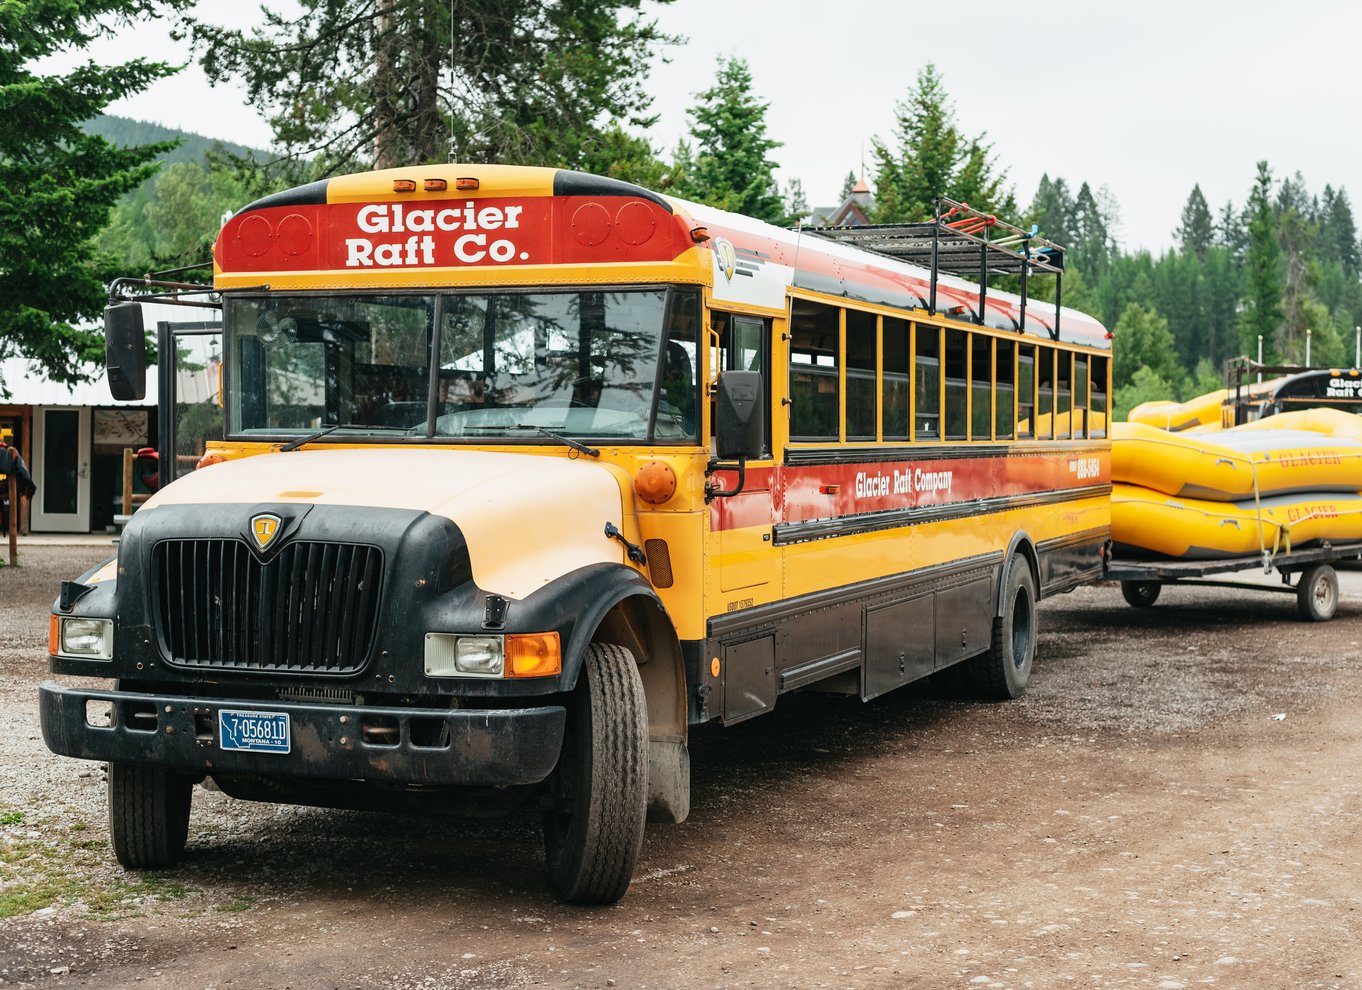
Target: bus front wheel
(593, 829)
(1003, 672)
(148, 815)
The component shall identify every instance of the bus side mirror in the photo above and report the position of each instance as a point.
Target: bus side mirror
(740, 427)
(125, 350)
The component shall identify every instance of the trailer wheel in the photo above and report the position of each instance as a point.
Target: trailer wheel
(1317, 593)
(1003, 672)
(594, 828)
(148, 815)
(1141, 594)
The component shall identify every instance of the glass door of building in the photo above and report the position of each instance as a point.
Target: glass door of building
(61, 470)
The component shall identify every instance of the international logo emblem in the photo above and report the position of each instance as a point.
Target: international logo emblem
(726, 257)
(264, 528)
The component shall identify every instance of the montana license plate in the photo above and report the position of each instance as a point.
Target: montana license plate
(253, 732)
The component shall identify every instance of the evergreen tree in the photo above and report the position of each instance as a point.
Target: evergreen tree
(1143, 340)
(1264, 270)
(848, 185)
(1338, 232)
(732, 169)
(1093, 244)
(1197, 231)
(796, 203)
(931, 157)
(1052, 210)
(57, 183)
(354, 83)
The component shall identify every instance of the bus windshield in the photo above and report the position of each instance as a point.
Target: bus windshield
(612, 364)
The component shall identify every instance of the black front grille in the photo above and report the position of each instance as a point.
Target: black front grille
(312, 608)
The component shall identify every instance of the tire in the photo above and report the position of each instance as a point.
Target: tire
(1003, 672)
(1141, 594)
(594, 828)
(148, 815)
(1317, 593)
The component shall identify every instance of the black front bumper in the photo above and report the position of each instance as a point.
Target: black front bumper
(477, 747)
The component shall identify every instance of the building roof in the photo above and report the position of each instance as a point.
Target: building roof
(27, 385)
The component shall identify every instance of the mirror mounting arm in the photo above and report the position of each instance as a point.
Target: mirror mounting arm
(712, 490)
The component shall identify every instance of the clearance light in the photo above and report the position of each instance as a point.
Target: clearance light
(91, 639)
(466, 185)
(699, 234)
(404, 185)
(533, 655)
(436, 185)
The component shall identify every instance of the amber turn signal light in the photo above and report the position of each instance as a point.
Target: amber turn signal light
(53, 635)
(533, 655)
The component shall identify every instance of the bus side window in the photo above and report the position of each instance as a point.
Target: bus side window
(814, 332)
(1098, 400)
(1026, 391)
(677, 403)
(957, 385)
(743, 347)
(896, 379)
(1045, 394)
(1005, 413)
(1063, 395)
(981, 387)
(927, 384)
(860, 361)
(1080, 418)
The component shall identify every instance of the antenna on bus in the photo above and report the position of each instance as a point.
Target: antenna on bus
(452, 156)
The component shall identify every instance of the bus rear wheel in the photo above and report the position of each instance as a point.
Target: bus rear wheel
(148, 815)
(1003, 672)
(594, 828)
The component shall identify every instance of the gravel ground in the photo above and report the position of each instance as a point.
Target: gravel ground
(1177, 802)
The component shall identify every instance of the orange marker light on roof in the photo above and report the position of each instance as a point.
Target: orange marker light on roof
(436, 185)
(466, 184)
(698, 234)
(404, 185)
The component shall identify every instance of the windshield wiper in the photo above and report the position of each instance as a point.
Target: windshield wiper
(566, 441)
(295, 444)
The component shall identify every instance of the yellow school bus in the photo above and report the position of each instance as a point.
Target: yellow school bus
(524, 472)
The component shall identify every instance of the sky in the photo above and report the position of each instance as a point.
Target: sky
(1146, 99)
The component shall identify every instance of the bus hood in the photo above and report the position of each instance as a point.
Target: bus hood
(527, 518)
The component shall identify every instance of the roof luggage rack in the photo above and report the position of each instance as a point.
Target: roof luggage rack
(965, 242)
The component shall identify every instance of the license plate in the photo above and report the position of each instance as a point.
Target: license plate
(253, 732)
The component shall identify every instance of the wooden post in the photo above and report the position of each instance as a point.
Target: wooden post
(13, 519)
(127, 481)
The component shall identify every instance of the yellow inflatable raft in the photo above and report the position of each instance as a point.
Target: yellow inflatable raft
(1203, 411)
(1237, 464)
(1196, 529)
(1329, 422)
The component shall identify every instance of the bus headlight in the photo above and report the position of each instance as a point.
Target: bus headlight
(79, 637)
(514, 655)
(448, 655)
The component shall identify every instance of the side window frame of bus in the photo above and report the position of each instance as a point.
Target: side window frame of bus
(1045, 393)
(1099, 399)
(1026, 396)
(980, 389)
(896, 379)
(1081, 417)
(926, 354)
(860, 328)
(815, 329)
(667, 362)
(1064, 394)
(1004, 388)
(955, 384)
(730, 328)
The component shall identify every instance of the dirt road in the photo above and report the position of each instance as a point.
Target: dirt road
(1177, 802)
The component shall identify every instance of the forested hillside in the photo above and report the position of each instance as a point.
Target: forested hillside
(170, 220)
